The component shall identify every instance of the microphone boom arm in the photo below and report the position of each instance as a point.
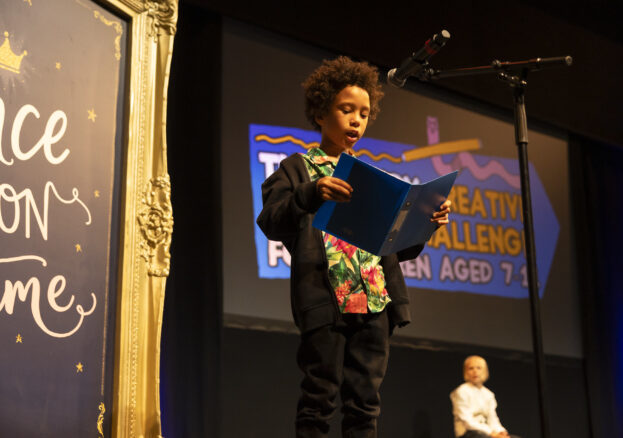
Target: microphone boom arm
(497, 66)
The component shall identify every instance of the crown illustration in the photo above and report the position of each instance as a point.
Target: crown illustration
(9, 60)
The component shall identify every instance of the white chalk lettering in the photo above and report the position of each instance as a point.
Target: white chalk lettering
(19, 207)
(56, 288)
(54, 130)
(11, 200)
(2, 111)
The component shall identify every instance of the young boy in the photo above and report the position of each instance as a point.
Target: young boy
(345, 301)
(473, 404)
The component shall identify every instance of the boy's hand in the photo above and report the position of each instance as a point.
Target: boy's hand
(441, 216)
(333, 189)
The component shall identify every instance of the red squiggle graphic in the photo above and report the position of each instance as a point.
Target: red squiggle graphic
(465, 160)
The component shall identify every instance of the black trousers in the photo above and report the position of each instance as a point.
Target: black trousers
(349, 357)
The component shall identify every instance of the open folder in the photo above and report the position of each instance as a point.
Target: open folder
(385, 214)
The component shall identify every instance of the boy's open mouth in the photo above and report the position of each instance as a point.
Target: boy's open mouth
(352, 135)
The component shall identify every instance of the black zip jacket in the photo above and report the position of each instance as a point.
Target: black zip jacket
(290, 202)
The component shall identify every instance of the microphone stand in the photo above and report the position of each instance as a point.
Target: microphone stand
(515, 75)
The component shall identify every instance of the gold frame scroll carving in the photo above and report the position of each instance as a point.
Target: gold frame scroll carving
(146, 218)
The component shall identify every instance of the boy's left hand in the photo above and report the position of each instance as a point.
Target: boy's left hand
(440, 217)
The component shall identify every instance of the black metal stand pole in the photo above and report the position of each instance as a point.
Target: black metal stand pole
(521, 139)
(519, 84)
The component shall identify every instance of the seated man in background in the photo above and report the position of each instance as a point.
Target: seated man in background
(473, 405)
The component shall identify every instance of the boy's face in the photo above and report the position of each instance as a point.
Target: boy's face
(346, 120)
(475, 371)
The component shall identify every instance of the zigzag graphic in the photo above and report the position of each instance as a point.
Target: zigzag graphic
(285, 138)
(411, 155)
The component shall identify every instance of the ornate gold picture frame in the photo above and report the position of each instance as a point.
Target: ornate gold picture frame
(147, 219)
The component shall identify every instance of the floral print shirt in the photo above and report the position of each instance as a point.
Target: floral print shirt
(355, 275)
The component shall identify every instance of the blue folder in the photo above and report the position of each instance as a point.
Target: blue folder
(385, 214)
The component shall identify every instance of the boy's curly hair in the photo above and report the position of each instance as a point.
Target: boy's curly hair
(333, 76)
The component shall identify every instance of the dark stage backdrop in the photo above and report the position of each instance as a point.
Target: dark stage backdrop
(243, 383)
(464, 288)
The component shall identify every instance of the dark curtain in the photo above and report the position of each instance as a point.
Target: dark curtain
(596, 171)
(192, 322)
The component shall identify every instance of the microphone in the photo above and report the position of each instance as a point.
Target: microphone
(418, 61)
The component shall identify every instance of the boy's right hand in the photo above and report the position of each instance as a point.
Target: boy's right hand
(333, 189)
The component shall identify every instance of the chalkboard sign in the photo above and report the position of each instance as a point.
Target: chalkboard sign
(77, 178)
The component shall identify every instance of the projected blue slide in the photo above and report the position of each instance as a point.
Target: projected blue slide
(482, 249)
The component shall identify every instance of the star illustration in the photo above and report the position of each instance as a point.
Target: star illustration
(92, 115)
(97, 193)
(18, 339)
(78, 247)
(58, 65)
(79, 367)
